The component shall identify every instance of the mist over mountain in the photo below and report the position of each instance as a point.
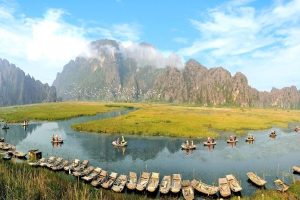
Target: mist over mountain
(18, 88)
(138, 72)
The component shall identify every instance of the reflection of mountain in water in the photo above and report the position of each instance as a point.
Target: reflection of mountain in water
(17, 134)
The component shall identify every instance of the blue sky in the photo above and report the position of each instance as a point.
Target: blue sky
(258, 38)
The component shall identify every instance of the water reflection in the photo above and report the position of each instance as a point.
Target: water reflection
(268, 157)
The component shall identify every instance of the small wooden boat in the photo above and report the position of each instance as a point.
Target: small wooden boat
(119, 143)
(58, 141)
(209, 143)
(99, 179)
(143, 181)
(37, 163)
(250, 138)
(233, 183)
(92, 175)
(256, 179)
(119, 184)
(83, 172)
(73, 165)
(165, 185)
(49, 160)
(132, 181)
(56, 162)
(281, 186)
(296, 169)
(188, 146)
(7, 156)
(110, 180)
(19, 154)
(5, 127)
(273, 134)
(81, 166)
(60, 166)
(224, 187)
(153, 182)
(204, 188)
(1, 139)
(176, 183)
(25, 123)
(187, 190)
(232, 139)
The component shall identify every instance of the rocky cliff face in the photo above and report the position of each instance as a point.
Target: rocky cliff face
(114, 74)
(18, 88)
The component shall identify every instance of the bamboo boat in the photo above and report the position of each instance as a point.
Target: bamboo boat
(273, 134)
(98, 181)
(56, 162)
(224, 187)
(209, 143)
(7, 156)
(204, 188)
(119, 184)
(232, 139)
(188, 146)
(92, 175)
(296, 169)
(143, 181)
(281, 186)
(37, 163)
(165, 185)
(250, 138)
(187, 190)
(59, 141)
(132, 181)
(233, 183)
(60, 166)
(176, 183)
(122, 144)
(256, 179)
(71, 166)
(84, 171)
(153, 182)
(81, 166)
(19, 154)
(110, 180)
(50, 159)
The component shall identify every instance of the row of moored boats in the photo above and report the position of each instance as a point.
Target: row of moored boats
(150, 182)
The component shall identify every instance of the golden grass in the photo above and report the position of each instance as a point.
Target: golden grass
(184, 121)
(54, 111)
(20, 181)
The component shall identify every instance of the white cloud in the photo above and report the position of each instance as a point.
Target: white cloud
(42, 46)
(262, 43)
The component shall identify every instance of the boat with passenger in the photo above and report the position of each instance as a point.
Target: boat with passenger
(210, 141)
(188, 145)
(119, 143)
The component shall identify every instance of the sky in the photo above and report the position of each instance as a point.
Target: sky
(258, 38)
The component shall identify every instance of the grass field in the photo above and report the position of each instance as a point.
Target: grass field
(157, 119)
(20, 181)
(183, 121)
(54, 111)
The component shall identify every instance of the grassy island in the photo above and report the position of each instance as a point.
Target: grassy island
(156, 119)
(185, 121)
(55, 111)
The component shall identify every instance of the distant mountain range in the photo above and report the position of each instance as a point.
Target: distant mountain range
(113, 72)
(117, 74)
(18, 88)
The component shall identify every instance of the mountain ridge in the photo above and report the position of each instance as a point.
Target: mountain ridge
(17, 88)
(113, 73)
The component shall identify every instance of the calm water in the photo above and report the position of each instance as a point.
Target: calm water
(267, 157)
